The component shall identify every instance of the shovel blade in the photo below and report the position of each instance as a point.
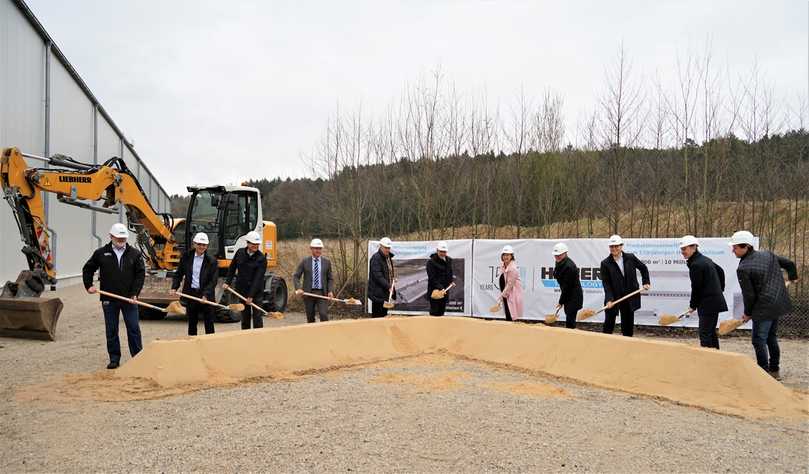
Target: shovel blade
(29, 317)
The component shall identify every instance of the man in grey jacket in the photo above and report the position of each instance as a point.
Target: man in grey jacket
(765, 296)
(317, 279)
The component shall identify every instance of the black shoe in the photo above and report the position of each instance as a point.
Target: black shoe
(775, 374)
(112, 365)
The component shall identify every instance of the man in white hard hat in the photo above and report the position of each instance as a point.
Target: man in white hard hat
(122, 272)
(317, 280)
(765, 296)
(439, 277)
(566, 273)
(249, 265)
(619, 277)
(707, 285)
(198, 271)
(381, 278)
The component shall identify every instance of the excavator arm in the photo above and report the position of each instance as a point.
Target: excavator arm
(111, 184)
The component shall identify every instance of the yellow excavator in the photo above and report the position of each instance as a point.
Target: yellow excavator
(225, 213)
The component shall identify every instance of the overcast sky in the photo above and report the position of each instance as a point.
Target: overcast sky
(217, 92)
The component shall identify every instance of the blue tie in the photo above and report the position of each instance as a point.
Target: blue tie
(316, 278)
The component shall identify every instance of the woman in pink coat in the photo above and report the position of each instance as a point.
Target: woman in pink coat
(510, 284)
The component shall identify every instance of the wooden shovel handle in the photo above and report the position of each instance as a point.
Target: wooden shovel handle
(200, 300)
(131, 301)
(625, 297)
(245, 300)
(328, 298)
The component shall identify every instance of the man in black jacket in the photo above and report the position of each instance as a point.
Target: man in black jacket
(619, 276)
(249, 266)
(381, 278)
(198, 271)
(121, 272)
(566, 274)
(765, 296)
(439, 277)
(707, 285)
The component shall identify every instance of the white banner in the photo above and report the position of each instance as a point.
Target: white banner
(671, 286)
(410, 260)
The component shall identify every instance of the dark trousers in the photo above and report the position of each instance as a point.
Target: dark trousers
(765, 342)
(571, 311)
(505, 308)
(378, 310)
(311, 304)
(133, 337)
(250, 315)
(438, 307)
(627, 319)
(707, 329)
(194, 309)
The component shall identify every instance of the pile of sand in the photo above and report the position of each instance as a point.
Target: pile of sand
(714, 380)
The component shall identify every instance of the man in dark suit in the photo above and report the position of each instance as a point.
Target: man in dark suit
(317, 279)
(381, 278)
(566, 274)
(439, 277)
(619, 276)
(249, 266)
(707, 285)
(765, 296)
(121, 271)
(198, 271)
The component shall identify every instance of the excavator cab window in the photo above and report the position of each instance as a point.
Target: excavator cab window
(241, 216)
(203, 216)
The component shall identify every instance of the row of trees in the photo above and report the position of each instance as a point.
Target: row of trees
(708, 153)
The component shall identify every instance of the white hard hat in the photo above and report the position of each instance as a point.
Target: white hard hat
(559, 249)
(201, 238)
(316, 244)
(507, 249)
(442, 247)
(385, 242)
(119, 231)
(688, 240)
(253, 237)
(616, 240)
(742, 237)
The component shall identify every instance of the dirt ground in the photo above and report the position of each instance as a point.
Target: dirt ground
(432, 413)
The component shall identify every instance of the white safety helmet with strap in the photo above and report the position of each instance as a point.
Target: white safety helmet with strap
(616, 240)
(119, 231)
(687, 241)
(442, 247)
(507, 249)
(201, 238)
(385, 242)
(253, 238)
(316, 244)
(559, 249)
(742, 237)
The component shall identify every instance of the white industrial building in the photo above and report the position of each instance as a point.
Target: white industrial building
(45, 109)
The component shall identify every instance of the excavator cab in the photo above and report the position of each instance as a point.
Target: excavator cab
(226, 214)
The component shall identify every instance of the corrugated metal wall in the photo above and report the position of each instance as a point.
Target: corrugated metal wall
(46, 109)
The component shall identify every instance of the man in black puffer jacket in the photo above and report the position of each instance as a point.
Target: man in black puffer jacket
(439, 277)
(707, 285)
(566, 274)
(765, 296)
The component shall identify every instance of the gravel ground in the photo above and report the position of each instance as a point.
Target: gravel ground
(427, 414)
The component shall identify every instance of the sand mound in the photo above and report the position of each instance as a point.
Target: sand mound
(531, 389)
(719, 381)
(427, 382)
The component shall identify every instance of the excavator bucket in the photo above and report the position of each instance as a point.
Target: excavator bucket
(29, 318)
(23, 313)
